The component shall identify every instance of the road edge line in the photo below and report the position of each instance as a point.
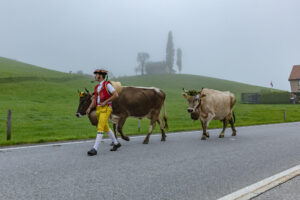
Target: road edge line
(263, 185)
(61, 143)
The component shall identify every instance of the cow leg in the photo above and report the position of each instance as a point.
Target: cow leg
(205, 123)
(152, 125)
(163, 134)
(120, 126)
(232, 127)
(205, 134)
(115, 132)
(225, 122)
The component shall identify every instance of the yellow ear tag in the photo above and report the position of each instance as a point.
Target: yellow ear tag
(189, 97)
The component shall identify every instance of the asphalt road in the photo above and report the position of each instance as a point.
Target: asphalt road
(183, 167)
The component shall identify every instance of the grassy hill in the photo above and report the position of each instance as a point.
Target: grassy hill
(44, 102)
(174, 83)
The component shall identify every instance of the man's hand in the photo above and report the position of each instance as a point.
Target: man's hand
(88, 111)
(103, 103)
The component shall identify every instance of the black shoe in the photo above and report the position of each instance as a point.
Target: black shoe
(92, 152)
(115, 147)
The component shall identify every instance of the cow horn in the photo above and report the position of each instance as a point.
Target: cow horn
(87, 90)
(185, 91)
(78, 91)
(200, 91)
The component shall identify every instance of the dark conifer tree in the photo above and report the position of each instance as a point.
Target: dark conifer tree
(170, 53)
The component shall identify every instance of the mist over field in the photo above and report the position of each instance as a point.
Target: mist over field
(252, 41)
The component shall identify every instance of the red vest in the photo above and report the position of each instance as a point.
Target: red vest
(104, 93)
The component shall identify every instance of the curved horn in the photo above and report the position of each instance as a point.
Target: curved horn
(87, 90)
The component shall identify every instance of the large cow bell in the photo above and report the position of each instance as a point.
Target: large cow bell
(195, 115)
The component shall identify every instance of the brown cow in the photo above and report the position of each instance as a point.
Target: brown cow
(132, 102)
(211, 104)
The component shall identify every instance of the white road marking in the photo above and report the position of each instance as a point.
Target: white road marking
(86, 141)
(131, 137)
(42, 145)
(262, 186)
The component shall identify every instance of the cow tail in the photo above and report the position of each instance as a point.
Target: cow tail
(165, 117)
(233, 117)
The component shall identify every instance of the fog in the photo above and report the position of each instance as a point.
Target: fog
(249, 41)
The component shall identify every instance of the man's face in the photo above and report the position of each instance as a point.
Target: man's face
(97, 77)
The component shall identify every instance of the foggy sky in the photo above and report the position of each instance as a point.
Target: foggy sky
(250, 41)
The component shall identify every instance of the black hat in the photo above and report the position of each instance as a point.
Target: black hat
(100, 71)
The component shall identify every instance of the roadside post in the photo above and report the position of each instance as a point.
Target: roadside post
(8, 124)
(139, 128)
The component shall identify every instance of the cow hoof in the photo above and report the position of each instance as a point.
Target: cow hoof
(221, 136)
(145, 142)
(207, 134)
(163, 139)
(234, 134)
(125, 138)
(203, 138)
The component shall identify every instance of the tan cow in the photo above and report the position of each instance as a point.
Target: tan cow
(209, 104)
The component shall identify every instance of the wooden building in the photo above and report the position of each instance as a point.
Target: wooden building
(295, 84)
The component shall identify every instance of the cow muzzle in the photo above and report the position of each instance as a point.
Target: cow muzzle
(190, 110)
(78, 115)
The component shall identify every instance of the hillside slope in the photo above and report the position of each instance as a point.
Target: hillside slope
(175, 82)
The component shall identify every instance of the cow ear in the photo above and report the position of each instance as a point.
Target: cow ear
(202, 96)
(185, 95)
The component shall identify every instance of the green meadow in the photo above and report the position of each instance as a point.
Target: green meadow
(44, 103)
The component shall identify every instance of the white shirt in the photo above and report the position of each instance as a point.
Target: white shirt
(110, 88)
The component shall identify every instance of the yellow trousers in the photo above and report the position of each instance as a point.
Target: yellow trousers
(103, 113)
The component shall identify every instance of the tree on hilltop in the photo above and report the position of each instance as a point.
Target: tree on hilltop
(170, 53)
(179, 61)
(142, 58)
